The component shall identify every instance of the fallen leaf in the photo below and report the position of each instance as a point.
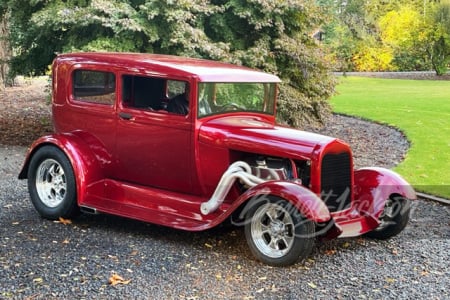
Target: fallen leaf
(38, 280)
(312, 285)
(117, 279)
(390, 280)
(330, 252)
(64, 221)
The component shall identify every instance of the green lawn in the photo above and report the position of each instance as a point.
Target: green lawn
(421, 109)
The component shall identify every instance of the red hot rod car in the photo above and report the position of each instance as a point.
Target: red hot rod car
(190, 143)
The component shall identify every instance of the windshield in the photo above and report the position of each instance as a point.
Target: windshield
(215, 98)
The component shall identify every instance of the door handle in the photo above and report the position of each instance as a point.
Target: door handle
(125, 116)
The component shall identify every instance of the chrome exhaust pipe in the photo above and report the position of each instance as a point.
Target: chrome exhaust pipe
(238, 170)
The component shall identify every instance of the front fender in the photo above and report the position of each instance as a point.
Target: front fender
(84, 160)
(308, 203)
(373, 186)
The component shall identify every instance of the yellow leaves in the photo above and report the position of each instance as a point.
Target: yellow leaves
(116, 279)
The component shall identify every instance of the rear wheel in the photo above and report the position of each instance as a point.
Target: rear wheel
(51, 184)
(393, 219)
(277, 233)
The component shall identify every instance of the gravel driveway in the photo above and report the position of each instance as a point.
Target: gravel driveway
(41, 259)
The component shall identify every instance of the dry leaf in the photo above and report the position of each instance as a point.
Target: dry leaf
(64, 221)
(38, 280)
(117, 279)
(312, 285)
(330, 252)
(390, 280)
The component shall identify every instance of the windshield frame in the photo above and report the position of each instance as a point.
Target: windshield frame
(215, 98)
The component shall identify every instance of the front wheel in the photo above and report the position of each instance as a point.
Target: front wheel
(51, 184)
(393, 219)
(277, 233)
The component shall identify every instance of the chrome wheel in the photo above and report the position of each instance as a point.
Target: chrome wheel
(51, 184)
(277, 233)
(273, 230)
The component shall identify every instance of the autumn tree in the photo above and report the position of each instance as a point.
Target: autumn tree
(270, 35)
(379, 35)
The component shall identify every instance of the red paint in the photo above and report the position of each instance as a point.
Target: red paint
(159, 167)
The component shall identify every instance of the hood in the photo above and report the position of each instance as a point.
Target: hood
(257, 135)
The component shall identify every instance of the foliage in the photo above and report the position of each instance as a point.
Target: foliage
(439, 38)
(363, 34)
(402, 31)
(373, 58)
(270, 35)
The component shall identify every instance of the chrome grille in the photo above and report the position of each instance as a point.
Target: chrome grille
(336, 181)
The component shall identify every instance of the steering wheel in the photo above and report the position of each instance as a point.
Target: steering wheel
(231, 105)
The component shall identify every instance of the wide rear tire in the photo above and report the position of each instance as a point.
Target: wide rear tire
(51, 184)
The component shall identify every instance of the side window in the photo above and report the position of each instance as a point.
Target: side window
(144, 92)
(178, 94)
(175, 88)
(94, 87)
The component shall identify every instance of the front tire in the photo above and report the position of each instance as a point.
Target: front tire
(277, 233)
(51, 184)
(394, 218)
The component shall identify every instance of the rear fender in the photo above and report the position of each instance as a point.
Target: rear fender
(308, 203)
(85, 163)
(373, 186)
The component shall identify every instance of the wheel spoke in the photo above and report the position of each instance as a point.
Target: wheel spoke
(51, 183)
(272, 230)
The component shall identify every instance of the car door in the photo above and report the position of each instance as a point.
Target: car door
(153, 146)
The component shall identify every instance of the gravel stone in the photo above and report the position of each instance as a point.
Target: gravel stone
(41, 259)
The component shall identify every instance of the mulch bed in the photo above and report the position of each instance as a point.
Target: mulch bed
(25, 112)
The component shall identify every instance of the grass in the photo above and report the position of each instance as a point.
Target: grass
(419, 108)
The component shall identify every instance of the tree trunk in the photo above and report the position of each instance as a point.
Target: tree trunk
(5, 52)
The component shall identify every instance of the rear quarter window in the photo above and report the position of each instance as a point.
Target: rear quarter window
(94, 87)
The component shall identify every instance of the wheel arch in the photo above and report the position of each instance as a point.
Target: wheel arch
(84, 163)
(374, 186)
(307, 203)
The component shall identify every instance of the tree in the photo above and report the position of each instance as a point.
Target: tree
(403, 32)
(439, 37)
(374, 35)
(269, 35)
(5, 50)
